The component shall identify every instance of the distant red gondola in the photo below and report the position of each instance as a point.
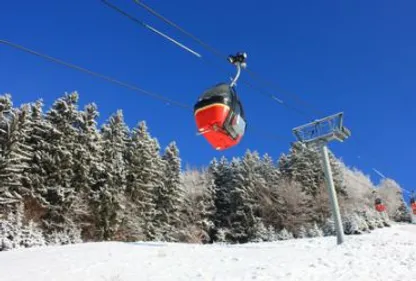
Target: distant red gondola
(219, 114)
(413, 205)
(380, 207)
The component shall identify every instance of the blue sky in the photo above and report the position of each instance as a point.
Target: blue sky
(352, 56)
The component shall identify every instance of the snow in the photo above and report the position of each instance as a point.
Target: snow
(384, 254)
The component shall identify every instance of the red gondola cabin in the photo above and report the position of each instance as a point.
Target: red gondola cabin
(220, 117)
(380, 207)
(413, 205)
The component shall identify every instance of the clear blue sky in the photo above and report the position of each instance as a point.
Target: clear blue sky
(353, 56)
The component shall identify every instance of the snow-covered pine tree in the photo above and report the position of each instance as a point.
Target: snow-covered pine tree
(222, 176)
(363, 226)
(109, 200)
(315, 231)
(370, 216)
(19, 152)
(5, 109)
(15, 154)
(170, 198)
(11, 229)
(69, 235)
(302, 165)
(292, 206)
(247, 180)
(59, 161)
(36, 176)
(268, 195)
(207, 207)
(262, 233)
(305, 166)
(272, 234)
(24, 150)
(159, 168)
(284, 234)
(222, 235)
(88, 170)
(15, 233)
(391, 193)
(351, 223)
(239, 207)
(302, 232)
(320, 206)
(32, 236)
(199, 196)
(403, 214)
(328, 228)
(144, 177)
(269, 172)
(359, 189)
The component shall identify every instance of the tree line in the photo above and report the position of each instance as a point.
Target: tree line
(64, 179)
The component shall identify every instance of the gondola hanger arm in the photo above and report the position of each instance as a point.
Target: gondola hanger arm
(239, 60)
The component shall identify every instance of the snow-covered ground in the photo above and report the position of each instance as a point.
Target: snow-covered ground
(385, 254)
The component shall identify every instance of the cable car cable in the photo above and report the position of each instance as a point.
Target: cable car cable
(216, 52)
(96, 74)
(276, 99)
(150, 28)
(248, 84)
(118, 82)
(273, 97)
(219, 54)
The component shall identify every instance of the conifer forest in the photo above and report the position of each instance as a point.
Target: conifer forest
(65, 179)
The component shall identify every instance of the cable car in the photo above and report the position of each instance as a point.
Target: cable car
(413, 204)
(219, 114)
(379, 205)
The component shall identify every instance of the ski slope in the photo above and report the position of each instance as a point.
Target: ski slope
(385, 254)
